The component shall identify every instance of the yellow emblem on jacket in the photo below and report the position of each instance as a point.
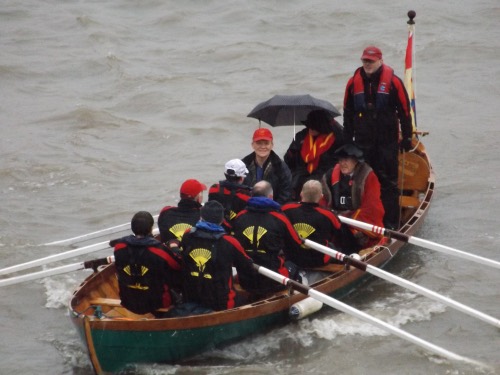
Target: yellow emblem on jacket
(201, 256)
(304, 230)
(178, 230)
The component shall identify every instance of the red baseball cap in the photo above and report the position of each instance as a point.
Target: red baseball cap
(371, 53)
(192, 188)
(262, 134)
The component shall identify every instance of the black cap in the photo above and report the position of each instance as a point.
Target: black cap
(350, 150)
(212, 212)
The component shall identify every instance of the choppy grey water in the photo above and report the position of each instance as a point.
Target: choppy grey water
(106, 107)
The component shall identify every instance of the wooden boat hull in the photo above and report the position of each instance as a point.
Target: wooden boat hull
(116, 337)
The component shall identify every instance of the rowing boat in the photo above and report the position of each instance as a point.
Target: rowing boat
(116, 337)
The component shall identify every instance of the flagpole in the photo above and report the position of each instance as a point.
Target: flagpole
(410, 71)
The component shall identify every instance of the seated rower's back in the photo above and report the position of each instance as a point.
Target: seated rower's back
(146, 269)
(317, 224)
(267, 236)
(208, 257)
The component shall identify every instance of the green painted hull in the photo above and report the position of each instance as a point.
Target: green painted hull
(116, 349)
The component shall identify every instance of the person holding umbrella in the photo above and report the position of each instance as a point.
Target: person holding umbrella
(312, 152)
(264, 164)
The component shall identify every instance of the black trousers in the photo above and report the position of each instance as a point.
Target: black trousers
(383, 158)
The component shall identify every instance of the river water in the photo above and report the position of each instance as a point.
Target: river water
(106, 107)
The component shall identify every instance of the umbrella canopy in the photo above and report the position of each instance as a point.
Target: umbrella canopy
(290, 109)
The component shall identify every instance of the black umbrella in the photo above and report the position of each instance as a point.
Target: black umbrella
(290, 109)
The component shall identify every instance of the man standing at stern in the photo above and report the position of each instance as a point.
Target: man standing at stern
(376, 104)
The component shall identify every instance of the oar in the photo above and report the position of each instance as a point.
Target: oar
(327, 300)
(420, 242)
(91, 236)
(403, 282)
(56, 257)
(57, 271)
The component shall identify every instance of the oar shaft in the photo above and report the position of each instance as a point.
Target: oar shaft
(361, 315)
(451, 251)
(57, 271)
(41, 274)
(433, 295)
(405, 283)
(57, 257)
(420, 242)
(92, 235)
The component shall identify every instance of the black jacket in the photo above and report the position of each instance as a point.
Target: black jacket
(145, 270)
(207, 268)
(268, 238)
(276, 172)
(174, 221)
(321, 226)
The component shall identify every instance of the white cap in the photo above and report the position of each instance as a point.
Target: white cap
(236, 167)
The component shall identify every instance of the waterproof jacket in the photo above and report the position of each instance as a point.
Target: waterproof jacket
(208, 258)
(145, 270)
(174, 221)
(232, 196)
(268, 237)
(377, 120)
(276, 172)
(319, 225)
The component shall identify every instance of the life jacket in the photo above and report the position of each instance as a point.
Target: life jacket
(140, 277)
(200, 248)
(352, 201)
(174, 221)
(383, 90)
(200, 279)
(233, 197)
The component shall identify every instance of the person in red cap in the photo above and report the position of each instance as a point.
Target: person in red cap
(376, 108)
(264, 164)
(174, 221)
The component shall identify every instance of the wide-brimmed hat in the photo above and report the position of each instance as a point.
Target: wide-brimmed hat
(319, 120)
(350, 150)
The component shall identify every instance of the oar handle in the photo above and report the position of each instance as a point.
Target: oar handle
(95, 263)
(336, 254)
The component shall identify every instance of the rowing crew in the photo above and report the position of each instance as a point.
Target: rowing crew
(191, 267)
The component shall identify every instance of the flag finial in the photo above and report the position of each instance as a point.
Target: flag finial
(411, 15)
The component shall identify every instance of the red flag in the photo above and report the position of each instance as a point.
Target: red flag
(408, 81)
